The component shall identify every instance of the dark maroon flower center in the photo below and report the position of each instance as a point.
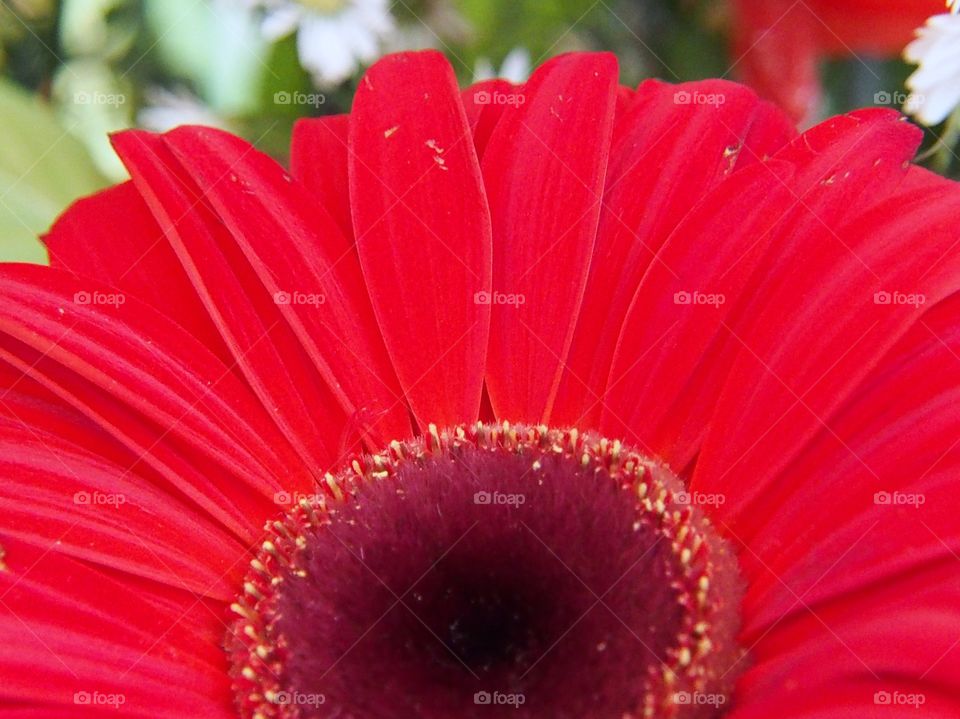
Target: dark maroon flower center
(490, 571)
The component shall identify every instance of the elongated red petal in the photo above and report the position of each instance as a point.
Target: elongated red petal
(485, 103)
(55, 492)
(671, 147)
(423, 232)
(248, 317)
(894, 443)
(686, 297)
(317, 284)
(544, 169)
(785, 395)
(112, 238)
(318, 160)
(127, 647)
(831, 178)
(145, 381)
(891, 651)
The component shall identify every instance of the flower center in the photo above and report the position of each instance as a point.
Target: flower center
(490, 571)
(327, 7)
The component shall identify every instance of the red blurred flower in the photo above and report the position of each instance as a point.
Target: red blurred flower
(773, 316)
(778, 44)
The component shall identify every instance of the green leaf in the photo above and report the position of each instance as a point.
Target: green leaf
(42, 170)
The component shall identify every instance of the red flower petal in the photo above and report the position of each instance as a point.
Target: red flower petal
(776, 46)
(423, 231)
(57, 493)
(339, 335)
(891, 24)
(889, 439)
(685, 299)
(693, 146)
(544, 169)
(155, 653)
(901, 637)
(318, 160)
(265, 349)
(85, 242)
(788, 380)
(145, 381)
(485, 103)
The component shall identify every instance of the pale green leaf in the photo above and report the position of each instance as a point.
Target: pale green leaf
(42, 170)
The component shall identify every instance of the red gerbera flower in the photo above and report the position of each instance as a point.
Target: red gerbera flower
(778, 44)
(278, 446)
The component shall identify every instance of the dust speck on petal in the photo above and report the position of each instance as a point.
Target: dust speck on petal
(388, 133)
(438, 152)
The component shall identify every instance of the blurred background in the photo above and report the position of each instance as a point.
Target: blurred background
(73, 71)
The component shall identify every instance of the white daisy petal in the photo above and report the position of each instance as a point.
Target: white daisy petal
(324, 51)
(331, 42)
(935, 84)
(516, 65)
(281, 21)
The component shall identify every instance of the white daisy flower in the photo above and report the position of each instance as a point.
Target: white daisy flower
(167, 109)
(515, 67)
(935, 85)
(334, 37)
